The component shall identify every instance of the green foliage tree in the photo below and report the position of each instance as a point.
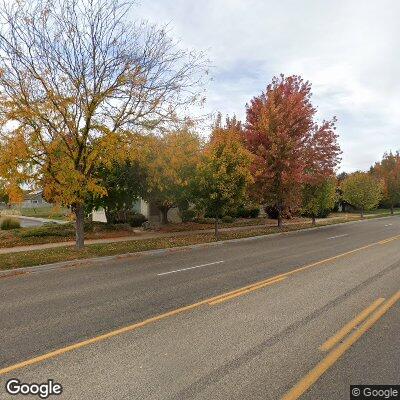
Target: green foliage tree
(319, 199)
(172, 165)
(124, 183)
(223, 174)
(362, 190)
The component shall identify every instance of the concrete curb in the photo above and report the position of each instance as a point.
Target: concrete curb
(77, 262)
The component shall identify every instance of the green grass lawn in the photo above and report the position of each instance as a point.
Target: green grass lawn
(58, 213)
(382, 211)
(208, 223)
(54, 233)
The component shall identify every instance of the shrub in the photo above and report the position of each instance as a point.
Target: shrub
(137, 220)
(248, 212)
(129, 217)
(89, 226)
(272, 212)
(119, 216)
(147, 226)
(320, 214)
(10, 223)
(254, 212)
(49, 230)
(241, 212)
(227, 219)
(187, 215)
(323, 213)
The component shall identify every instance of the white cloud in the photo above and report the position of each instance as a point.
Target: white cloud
(347, 49)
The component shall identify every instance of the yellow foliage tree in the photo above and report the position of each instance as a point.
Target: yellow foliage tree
(388, 171)
(75, 78)
(223, 175)
(174, 159)
(362, 190)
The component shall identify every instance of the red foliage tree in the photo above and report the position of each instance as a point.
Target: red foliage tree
(290, 148)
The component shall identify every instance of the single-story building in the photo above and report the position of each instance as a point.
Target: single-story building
(148, 209)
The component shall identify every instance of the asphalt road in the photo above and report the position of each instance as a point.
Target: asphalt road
(256, 344)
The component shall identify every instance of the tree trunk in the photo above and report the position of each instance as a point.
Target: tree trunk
(164, 215)
(217, 228)
(391, 209)
(79, 226)
(279, 208)
(362, 213)
(313, 220)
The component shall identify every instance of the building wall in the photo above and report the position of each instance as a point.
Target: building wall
(99, 215)
(154, 214)
(141, 206)
(149, 210)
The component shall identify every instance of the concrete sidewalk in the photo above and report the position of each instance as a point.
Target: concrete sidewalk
(42, 220)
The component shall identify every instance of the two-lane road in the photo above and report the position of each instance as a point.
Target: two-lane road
(288, 294)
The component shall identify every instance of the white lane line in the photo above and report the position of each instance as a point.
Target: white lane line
(388, 225)
(338, 236)
(185, 269)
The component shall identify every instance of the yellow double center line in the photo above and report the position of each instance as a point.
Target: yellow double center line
(248, 289)
(331, 342)
(389, 240)
(306, 382)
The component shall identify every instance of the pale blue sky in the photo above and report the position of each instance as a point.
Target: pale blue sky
(348, 50)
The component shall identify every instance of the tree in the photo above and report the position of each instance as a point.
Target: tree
(125, 182)
(289, 147)
(319, 199)
(342, 176)
(223, 175)
(12, 173)
(4, 198)
(388, 170)
(76, 77)
(362, 190)
(172, 166)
